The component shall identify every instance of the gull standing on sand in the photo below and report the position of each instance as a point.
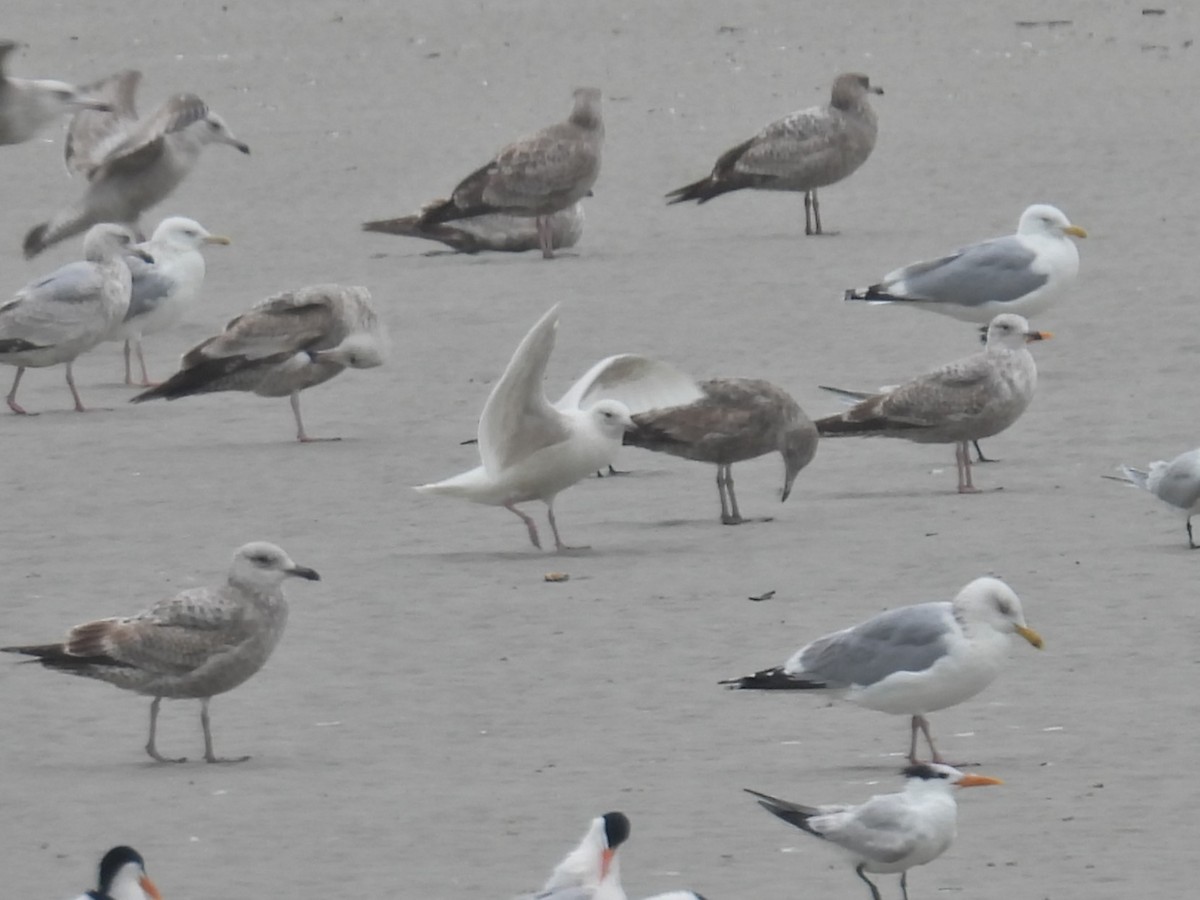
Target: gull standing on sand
(591, 871)
(534, 177)
(200, 643)
(57, 318)
(803, 151)
(912, 660)
(131, 164)
(529, 449)
(500, 232)
(735, 419)
(1176, 483)
(888, 833)
(967, 400)
(282, 346)
(164, 290)
(28, 105)
(1021, 273)
(123, 877)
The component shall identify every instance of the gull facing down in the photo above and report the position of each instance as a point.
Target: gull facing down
(531, 450)
(29, 105)
(910, 661)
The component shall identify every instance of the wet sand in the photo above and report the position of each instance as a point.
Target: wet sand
(440, 722)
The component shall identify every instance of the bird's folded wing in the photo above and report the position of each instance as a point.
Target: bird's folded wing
(792, 145)
(882, 829)
(999, 270)
(52, 310)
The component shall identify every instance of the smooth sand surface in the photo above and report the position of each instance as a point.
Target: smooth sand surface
(440, 722)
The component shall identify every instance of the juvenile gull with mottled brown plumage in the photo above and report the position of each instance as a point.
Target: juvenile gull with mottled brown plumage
(285, 344)
(200, 643)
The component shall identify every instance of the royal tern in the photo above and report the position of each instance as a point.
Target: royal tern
(591, 871)
(123, 877)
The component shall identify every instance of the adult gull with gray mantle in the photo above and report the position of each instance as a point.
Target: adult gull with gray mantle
(973, 398)
(1176, 483)
(912, 660)
(28, 105)
(163, 290)
(282, 346)
(132, 164)
(57, 318)
(803, 151)
(529, 449)
(199, 643)
(499, 232)
(534, 177)
(1021, 273)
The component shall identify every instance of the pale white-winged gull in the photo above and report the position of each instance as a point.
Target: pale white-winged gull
(536, 176)
(122, 876)
(803, 151)
(499, 232)
(531, 450)
(591, 871)
(1176, 483)
(29, 105)
(889, 833)
(734, 419)
(163, 290)
(200, 643)
(912, 660)
(57, 318)
(1021, 273)
(282, 346)
(135, 165)
(967, 400)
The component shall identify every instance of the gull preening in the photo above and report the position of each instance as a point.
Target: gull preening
(888, 833)
(282, 346)
(28, 105)
(1176, 483)
(734, 419)
(806, 150)
(1020, 273)
(534, 177)
(131, 163)
(59, 317)
(122, 876)
(200, 643)
(500, 232)
(912, 660)
(972, 398)
(531, 450)
(165, 289)
(591, 871)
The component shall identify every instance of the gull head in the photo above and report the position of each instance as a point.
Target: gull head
(1042, 218)
(182, 233)
(611, 417)
(850, 89)
(108, 240)
(213, 130)
(939, 775)
(991, 603)
(123, 874)
(586, 111)
(799, 447)
(263, 566)
(1011, 332)
(358, 351)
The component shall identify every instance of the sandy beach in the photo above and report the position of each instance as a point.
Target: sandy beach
(439, 721)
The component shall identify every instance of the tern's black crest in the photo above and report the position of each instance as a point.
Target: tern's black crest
(923, 771)
(112, 863)
(616, 829)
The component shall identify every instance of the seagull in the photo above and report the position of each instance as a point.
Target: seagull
(283, 345)
(534, 177)
(1176, 483)
(1021, 273)
(803, 151)
(966, 400)
(591, 871)
(890, 832)
(123, 877)
(529, 449)
(68, 312)
(27, 105)
(500, 232)
(132, 164)
(200, 643)
(912, 660)
(735, 419)
(164, 289)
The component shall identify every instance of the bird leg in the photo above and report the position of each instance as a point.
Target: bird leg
(150, 747)
(209, 756)
(858, 870)
(558, 544)
(128, 368)
(923, 724)
(1191, 543)
(544, 237)
(146, 382)
(962, 458)
(725, 486)
(979, 454)
(816, 206)
(300, 434)
(904, 883)
(808, 204)
(737, 516)
(79, 407)
(12, 395)
(529, 524)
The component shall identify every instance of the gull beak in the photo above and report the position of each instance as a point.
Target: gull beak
(149, 887)
(1075, 231)
(977, 781)
(216, 239)
(1031, 336)
(97, 105)
(245, 148)
(1030, 635)
(606, 859)
(304, 572)
(141, 254)
(876, 90)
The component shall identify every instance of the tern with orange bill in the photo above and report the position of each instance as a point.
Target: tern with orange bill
(122, 877)
(591, 870)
